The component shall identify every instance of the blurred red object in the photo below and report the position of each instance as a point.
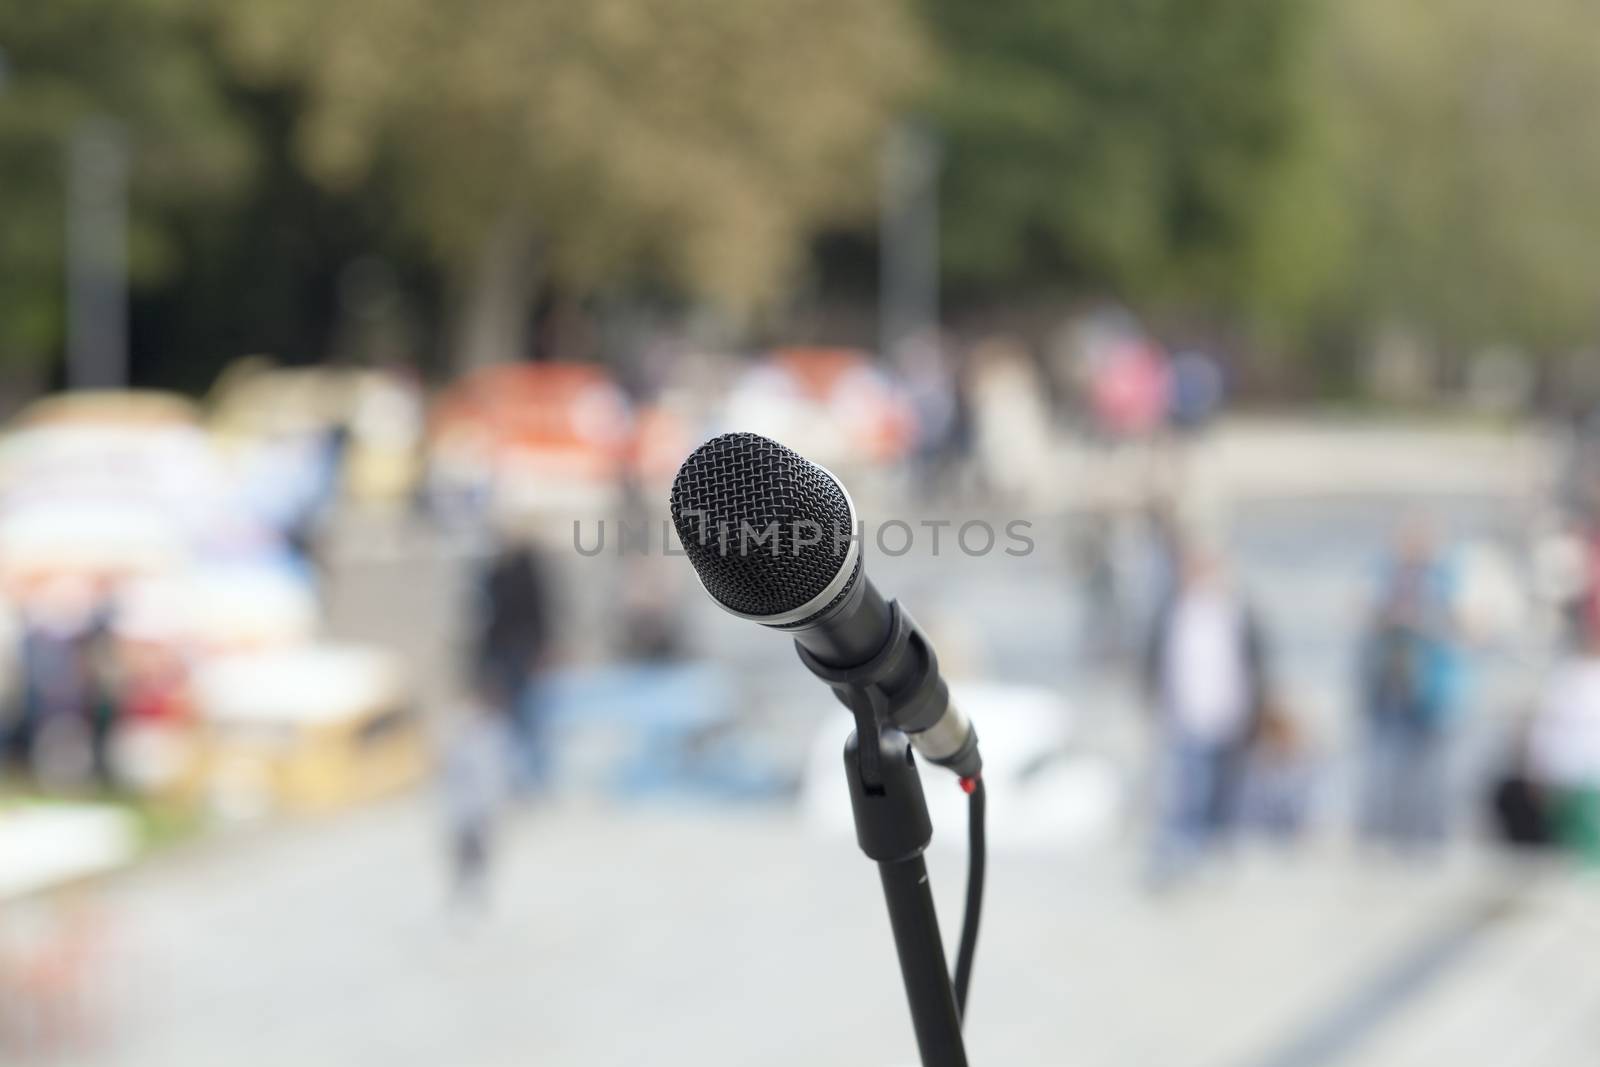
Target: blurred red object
(828, 400)
(1129, 390)
(662, 438)
(542, 423)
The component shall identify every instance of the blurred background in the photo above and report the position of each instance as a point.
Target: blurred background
(356, 709)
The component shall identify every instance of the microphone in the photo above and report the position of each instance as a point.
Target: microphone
(774, 539)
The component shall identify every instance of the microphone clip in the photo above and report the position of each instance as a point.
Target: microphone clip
(901, 687)
(861, 690)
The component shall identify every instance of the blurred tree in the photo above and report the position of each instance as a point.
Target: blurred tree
(536, 142)
(1151, 148)
(140, 63)
(269, 272)
(1467, 146)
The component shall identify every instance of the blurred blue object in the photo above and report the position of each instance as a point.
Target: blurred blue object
(1197, 390)
(654, 730)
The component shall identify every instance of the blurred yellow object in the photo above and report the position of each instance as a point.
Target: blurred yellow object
(381, 477)
(126, 407)
(256, 400)
(255, 397)
(304, 731)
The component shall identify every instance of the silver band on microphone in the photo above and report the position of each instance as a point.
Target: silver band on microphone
(945, 738)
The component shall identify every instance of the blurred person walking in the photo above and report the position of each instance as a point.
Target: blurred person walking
(1127, 563)
(1205, 673)
(1516, 800)
(67, 701)
(1195, 391)
(1563, 569)
(1129, 389)
(1411, 679)
(475, 777)
(1563, 757)
(938, 397)
(1103, 627)
(513, 641)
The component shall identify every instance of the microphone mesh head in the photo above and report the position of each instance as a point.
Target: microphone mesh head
(766, 528)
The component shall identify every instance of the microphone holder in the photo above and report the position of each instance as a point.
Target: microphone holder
(893, 828)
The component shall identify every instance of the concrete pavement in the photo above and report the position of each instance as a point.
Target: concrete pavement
(686, 935)
(696, 937)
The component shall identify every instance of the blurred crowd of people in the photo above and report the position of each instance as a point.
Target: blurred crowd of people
(1233, 757)
(1550, 791)
(1234, 754)
(979, 426)
(507, 444)
(115, 594)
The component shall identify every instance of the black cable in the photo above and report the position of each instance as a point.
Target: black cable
(975, 863)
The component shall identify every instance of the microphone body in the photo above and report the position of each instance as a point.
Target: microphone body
(865, 629)
(773, 538)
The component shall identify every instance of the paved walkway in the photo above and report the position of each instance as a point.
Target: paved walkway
(687, 936)
(708, 939)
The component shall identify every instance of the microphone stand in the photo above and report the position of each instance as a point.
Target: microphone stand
(893, 828)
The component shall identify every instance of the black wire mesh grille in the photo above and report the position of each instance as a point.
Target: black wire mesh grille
(766, 529)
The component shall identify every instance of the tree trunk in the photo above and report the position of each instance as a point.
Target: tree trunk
(497, 291)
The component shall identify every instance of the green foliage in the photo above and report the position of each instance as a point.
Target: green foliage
(702, 138)
(1304, 165)
(139, 63)
(1128, 146)
(1299, 164)
(1467, 148)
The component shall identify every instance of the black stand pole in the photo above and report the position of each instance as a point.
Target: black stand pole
(893, 828)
